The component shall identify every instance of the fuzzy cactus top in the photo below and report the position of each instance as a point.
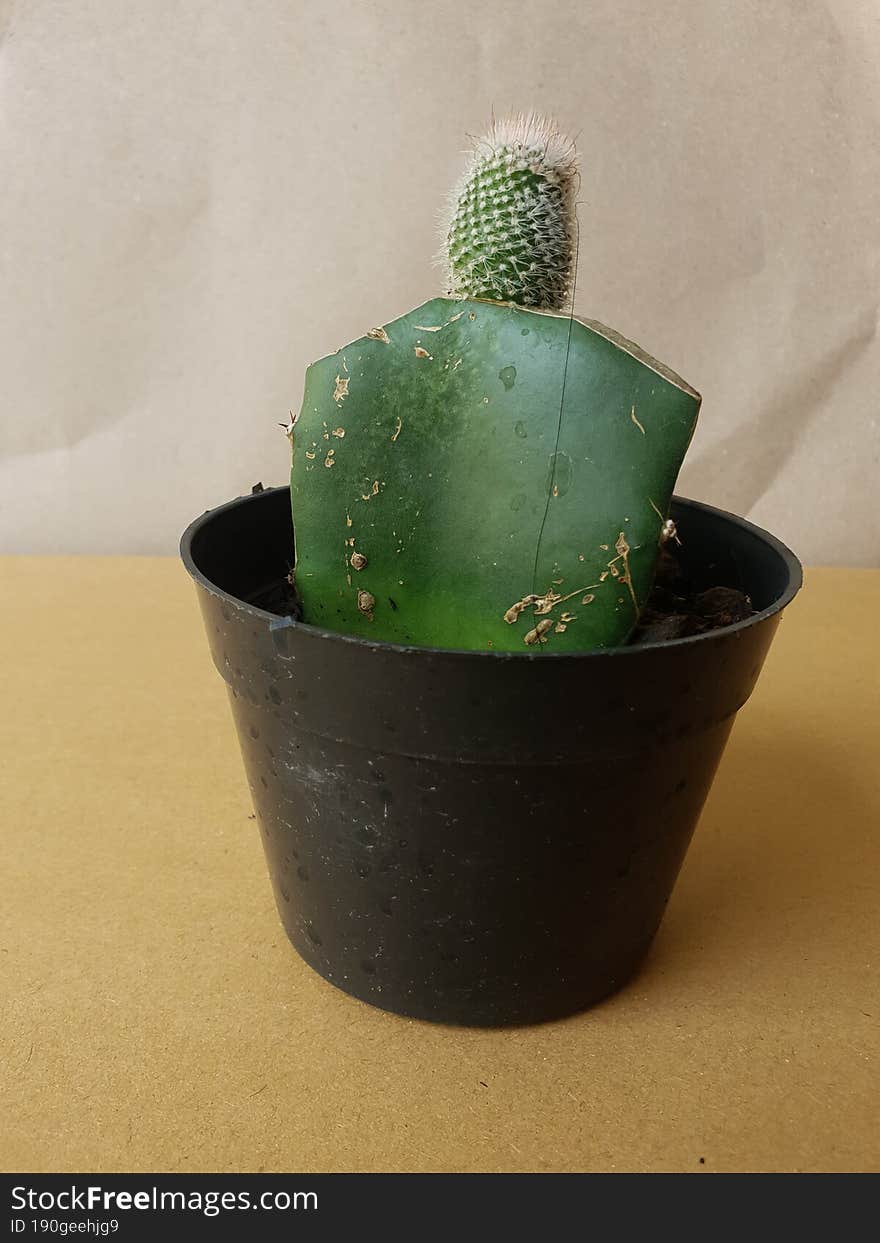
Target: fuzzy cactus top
(511, 229)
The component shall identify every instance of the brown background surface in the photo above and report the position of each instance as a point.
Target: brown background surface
(154, 1016)
(199, 199)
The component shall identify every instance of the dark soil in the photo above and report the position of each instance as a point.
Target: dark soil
(675, 610)
(279, 598)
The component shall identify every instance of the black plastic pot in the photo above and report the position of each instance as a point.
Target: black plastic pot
(466, 837)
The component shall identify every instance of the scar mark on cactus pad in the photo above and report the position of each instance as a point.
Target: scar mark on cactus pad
(546, 603)
(423, 353)
(397, 429)
(340, 392)
(338, 432)
(622, 549)
(543, 604)
(358, 561)
(632, 415)
(537, 635)
(366, 603)
(379, 334)
(437, 327)
(515, 609)
(587, 599)
(374, 491)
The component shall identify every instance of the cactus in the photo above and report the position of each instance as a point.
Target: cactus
(484, 474)
(512, 221)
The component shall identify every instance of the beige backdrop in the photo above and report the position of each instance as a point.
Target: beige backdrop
(200, 197)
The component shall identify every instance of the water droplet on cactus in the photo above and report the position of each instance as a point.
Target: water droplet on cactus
(520, 428)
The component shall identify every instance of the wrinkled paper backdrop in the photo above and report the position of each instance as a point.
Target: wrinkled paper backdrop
(200, 198)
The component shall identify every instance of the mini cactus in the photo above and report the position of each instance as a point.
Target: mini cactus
(484, 472)
(512, 222)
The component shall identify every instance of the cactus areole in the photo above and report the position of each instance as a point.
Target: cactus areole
(487, 472)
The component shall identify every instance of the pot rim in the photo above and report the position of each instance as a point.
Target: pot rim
(276, 621)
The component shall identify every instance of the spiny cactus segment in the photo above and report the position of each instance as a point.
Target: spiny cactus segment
(511, 229)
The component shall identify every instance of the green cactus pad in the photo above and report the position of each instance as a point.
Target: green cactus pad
(440, 500)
